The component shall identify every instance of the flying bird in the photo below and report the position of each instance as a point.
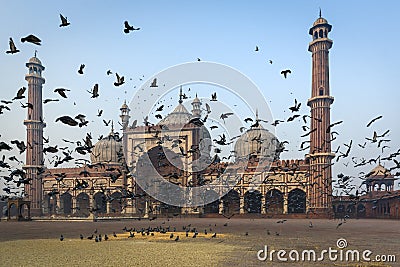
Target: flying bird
(270, 61)
(296, 106)
(109, 72)
(94, 91)
(285, 73)
(154, 83)
(20, 93)
(225, 115)
(13, 48)
(120, 80)
(160, 108)
(293, 117)
(373, 120)
(256, 49)
(31, 39)
(67, 120)
(64, 21)
(61, 91)
(214, 97)
(129, 28)
(81, 67)
(47, 100)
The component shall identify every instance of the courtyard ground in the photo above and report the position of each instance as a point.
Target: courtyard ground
(238, 241)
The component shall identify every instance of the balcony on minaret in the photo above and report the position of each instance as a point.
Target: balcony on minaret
(35, 69)
(319, 32)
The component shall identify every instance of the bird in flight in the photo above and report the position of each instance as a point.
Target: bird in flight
(31, 39)
(270, 61)
(373, 120)
(109, 72)
(120, 80)
(256, 49)
(296, 106)
(61, 92)
(81, 67)
(13, 48)
(285, 73)
(214, 97)
(95, 91)
(129, 28)
(67, 120)
(154, 83)
(64, 21)
(225, 115)
(20, 93)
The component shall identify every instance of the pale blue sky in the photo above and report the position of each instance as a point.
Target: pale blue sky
(363, 60)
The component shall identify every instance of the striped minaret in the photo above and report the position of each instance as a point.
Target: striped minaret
(34, 135)
(319, 193)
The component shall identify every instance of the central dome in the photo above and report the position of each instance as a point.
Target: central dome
(180, 115)
(258, 142)
(108, 150)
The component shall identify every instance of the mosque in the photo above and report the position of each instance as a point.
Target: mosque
(266, 185)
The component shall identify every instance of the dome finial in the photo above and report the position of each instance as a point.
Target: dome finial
(320, 13)
(180, 96)
(112, 127)
(256, 114)
(35, 52)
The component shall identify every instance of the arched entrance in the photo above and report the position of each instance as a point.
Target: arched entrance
(231, 202)
(252, 201)
(297, 201)
(274, 202)
(116, 202)
(100, 203)
(66, 203)
(212, 207)
(82, 204)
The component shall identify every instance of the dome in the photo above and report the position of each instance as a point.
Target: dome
(380, 171)
(319, 21)
(107, 150)
(124, 106)
(259, 142)
(35, 60)
(180, 115)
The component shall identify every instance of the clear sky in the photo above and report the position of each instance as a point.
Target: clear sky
(363, 60)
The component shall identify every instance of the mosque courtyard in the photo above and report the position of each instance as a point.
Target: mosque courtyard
(238, 241)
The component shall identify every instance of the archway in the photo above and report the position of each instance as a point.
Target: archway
(361, 210)
(100, 204)
(231, 202)
(252, 201)
(274, 202)
(82, 204)
(116, 202)
(212, 207)
(297, 201)
(66, 203)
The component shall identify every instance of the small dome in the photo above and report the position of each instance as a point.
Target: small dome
(124, 106)
(107, 150)
(259, 142)
(319, 21)
(35, 60)
(380, 171)
(180, 115)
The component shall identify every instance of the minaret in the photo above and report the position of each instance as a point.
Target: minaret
(124, 115)
(34, 135)
(196, 111)
(319, 193)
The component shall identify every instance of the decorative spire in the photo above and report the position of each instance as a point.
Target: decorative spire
(256, 114)
(180, 96)
(112, 127)
(35, 52)
(320, 13)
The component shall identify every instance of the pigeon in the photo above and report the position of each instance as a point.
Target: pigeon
(20, 93)
(120, 80)
(31, 39)
(13, 48)
(64, 21)
(61, 92)
(61, 238)
(95, 91)
(129, 28)
(214, 97)
(109, 72)
(285, 73)
(373, 120)
(256, 49)
(154, 83)
(67, 120)
(81, 67)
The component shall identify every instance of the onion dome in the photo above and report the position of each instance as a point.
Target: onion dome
(108, 150)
